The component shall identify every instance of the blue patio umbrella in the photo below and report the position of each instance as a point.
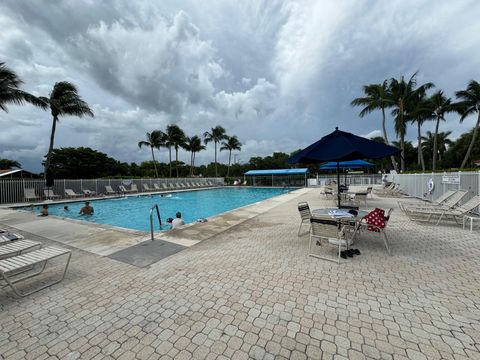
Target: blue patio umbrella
(342, 146)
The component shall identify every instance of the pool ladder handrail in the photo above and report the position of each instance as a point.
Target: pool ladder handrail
(151, 219)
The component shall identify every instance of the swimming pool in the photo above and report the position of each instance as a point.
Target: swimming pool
(133, 212)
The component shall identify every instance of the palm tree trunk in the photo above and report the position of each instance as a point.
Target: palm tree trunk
(193, 162)
(154, 162)
(392, 158)
(419, 147)
(216, 173)
(474, 137)
(50, 147)
(229, 160)
(170, 160)
(402, 147)
(176, 161)
(435, 146)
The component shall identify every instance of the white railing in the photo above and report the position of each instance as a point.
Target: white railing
(364, 179)
(18, 191)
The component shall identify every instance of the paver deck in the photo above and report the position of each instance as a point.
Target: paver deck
(252, 292)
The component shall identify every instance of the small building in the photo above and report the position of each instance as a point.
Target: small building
(277, 177)
(17, 174)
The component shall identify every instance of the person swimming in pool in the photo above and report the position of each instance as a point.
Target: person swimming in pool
(87, 209)
(44, 210)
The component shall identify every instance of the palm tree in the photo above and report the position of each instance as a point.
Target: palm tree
(176, 138)
(194, 145)
(216, 135)
(469, 104)
(155, 140)
(421, 111)
(64, 100)
(440, 140)
(230, 144)
(10, 93)
(441, 105)
(404, 94)
(376, 97)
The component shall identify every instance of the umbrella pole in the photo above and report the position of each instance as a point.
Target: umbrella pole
(338, 183)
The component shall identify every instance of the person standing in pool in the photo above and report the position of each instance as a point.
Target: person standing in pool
(178, 221)
(87, 209)
(44, 211)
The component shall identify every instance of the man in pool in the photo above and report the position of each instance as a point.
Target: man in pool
(178, 221)
(44, 211)
(87, 209)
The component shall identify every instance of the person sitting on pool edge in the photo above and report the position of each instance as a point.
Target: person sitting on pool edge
(178, 221)
(87, 209)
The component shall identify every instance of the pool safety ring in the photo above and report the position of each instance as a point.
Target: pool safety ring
(431, 186)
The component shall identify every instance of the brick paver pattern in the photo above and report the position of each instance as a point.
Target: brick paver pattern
(253, 292)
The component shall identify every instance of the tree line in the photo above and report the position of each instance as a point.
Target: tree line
(174, 137)
(410, 103)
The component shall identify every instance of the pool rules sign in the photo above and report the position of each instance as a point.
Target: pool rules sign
(451, 179)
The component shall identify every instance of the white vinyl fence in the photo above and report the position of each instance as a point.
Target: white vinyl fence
(417, 184)
(15, 191)
(364, 179)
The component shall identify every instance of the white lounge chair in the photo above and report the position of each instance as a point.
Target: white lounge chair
(15, 248)
(29, 194)
(49, 194)
(414, 211)
(146, 187)
(109, 190)
(123, 189)
(87, 192)
(11, 267)
(7, 237)
(439, 201)
(156, 186)
(71, 194)
(134, 188)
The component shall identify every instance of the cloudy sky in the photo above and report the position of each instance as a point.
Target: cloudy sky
(278, 74)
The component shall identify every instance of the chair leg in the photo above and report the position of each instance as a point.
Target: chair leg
(385, 240)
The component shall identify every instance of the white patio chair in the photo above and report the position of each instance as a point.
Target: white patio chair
(363, 225)
(332, 233)
(49, 194)
(305, 214)
(134, 188)
(109, 190)
(14, 248)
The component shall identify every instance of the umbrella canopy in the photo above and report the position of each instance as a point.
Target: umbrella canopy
(342, 146)
(354, 164)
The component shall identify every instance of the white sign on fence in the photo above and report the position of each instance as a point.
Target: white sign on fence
(451, 179)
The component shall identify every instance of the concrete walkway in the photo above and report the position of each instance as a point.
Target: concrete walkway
(252, 291)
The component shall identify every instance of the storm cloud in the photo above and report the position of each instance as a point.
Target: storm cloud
(278, 74)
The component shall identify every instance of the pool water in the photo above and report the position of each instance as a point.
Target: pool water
(133, 212)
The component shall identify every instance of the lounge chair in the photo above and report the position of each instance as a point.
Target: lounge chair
(10, 267)
(331, 230)
(146, 187)
(29, 194)
(123, 189)
(164, 186)
(109, 190)
(439, 201)
(7, 237)
(156, 186)
(49, 194)
(134, 188)
(15, 248)
(305, 214)
(71, 194)
(448, 203)
(455, 213)
(87, 192)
